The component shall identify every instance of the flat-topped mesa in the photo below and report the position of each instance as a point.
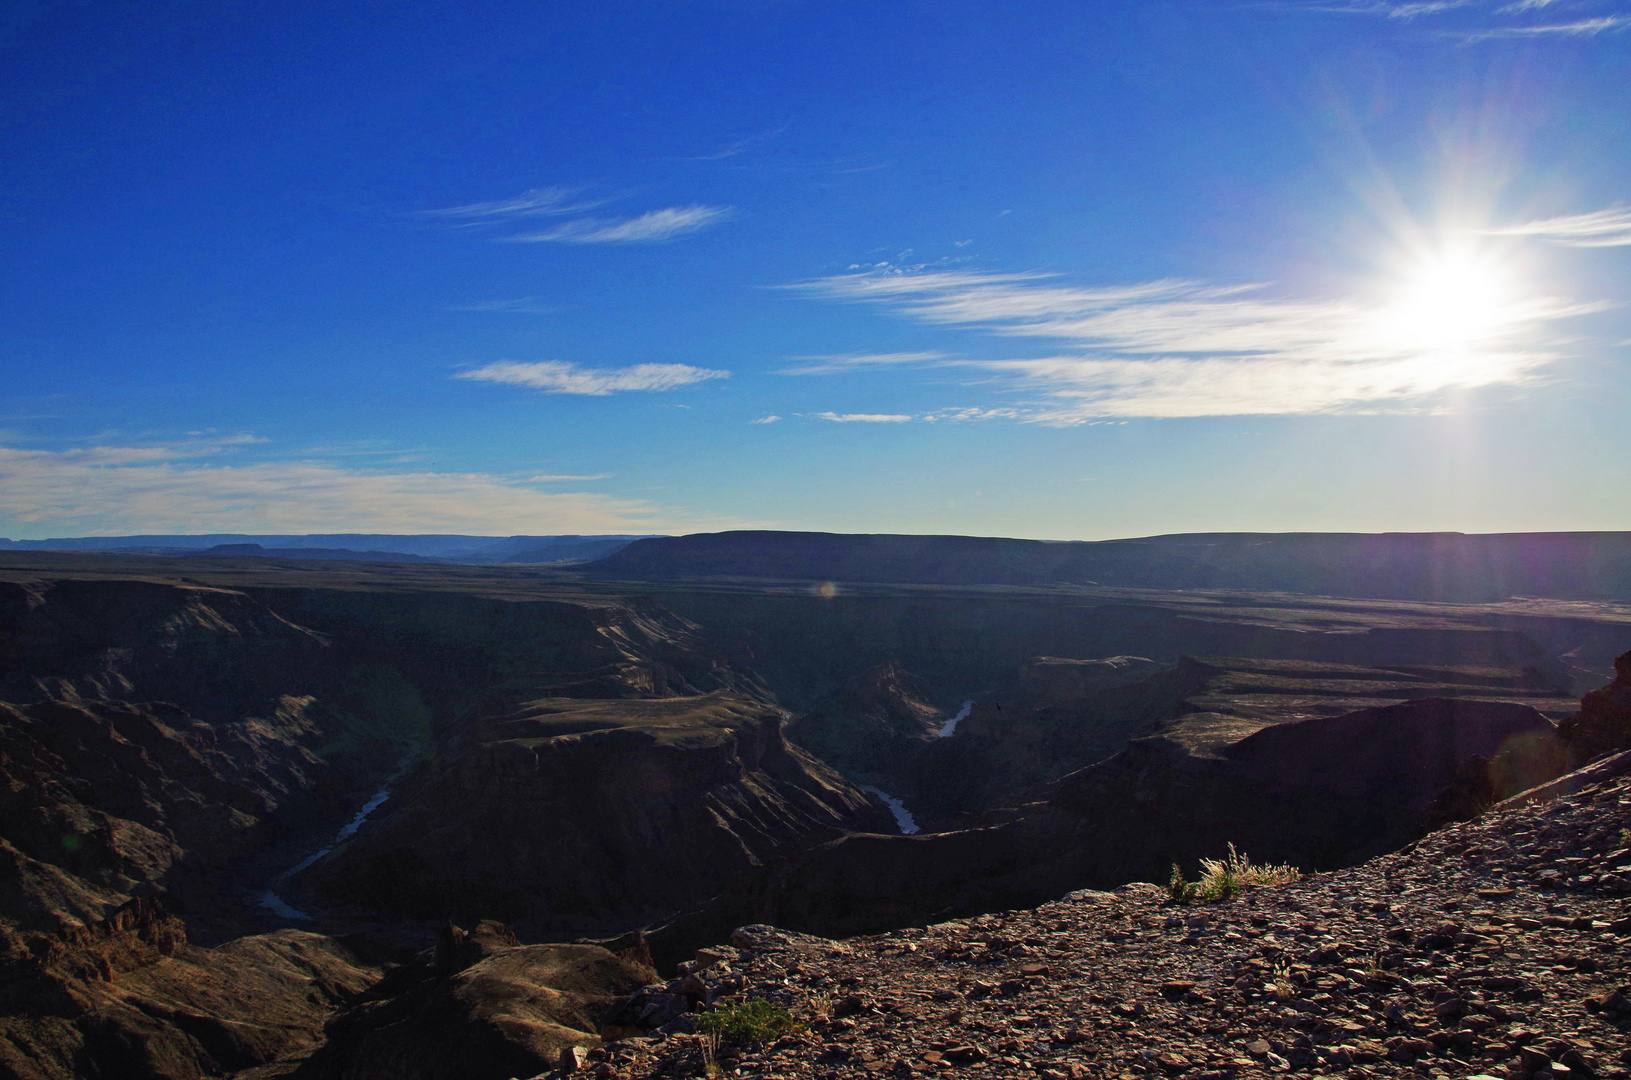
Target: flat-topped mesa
(641, 808)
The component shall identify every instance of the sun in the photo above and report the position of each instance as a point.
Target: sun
(1449, 301)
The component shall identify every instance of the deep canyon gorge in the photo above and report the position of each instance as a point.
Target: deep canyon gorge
(249, 804)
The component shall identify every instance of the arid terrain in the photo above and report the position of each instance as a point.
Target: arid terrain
(250, 802)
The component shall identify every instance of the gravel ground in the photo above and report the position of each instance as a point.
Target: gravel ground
(1499, 947)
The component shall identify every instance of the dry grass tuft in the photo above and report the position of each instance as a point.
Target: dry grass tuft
(1222, 879)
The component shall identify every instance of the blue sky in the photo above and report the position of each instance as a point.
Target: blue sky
(1063, 270)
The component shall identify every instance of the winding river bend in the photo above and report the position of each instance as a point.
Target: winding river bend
(949, 728)
(903, 817)
(274, 903)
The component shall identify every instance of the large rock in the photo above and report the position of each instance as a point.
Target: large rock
(129, 997)
(480, 1006)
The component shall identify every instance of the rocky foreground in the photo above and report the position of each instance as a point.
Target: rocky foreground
(1498, 947)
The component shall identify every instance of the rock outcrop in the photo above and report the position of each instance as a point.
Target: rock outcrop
(1603, 724)
(480, 1005)
(129, 997)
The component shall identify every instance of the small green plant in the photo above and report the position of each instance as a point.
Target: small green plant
(1223, 879)
(1625, 837)
(1179, 889)
(755, 1021)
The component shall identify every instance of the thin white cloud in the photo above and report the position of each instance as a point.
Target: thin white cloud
(536, 202)
(967, 414)
(1181, 348)
(560, 377)
(1601, 228)
(836, 364)
(652, 227)
(771, 419)
(1498, 20)
(864, 418)
(549, 478)
(157, 489)
(1579, 28)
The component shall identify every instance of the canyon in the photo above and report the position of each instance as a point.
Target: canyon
(601, 769)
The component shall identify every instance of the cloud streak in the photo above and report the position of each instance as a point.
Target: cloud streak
(864, 418)
(1182, 348)
(1602, 228)
(837, 364)
(652, 227)
(1480, 20)
(561, 377)
(536, 202)
(167, 489)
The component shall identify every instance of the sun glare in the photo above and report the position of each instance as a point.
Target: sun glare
(1449, 302)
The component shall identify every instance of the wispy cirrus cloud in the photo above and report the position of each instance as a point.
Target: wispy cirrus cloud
(842, 362)
(1578, 28)
(955, 415)
(535, 202)
(1181, 348)
(115, 489)
(1601, 228)
(652, 227)
(864, 418)
(1485, 20)
(561, 377)
(771, 419)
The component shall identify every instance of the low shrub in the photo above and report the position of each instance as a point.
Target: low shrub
(755, 1021)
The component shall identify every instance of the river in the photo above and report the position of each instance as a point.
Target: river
(274, 903)
(903, 817)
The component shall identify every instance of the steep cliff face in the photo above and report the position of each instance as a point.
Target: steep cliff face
(100, 801)
(874, 723)
(1317, 793)
(1056, 716)
(576, 815)
(216, 653)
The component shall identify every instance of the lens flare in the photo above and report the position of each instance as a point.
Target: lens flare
(1450, 301)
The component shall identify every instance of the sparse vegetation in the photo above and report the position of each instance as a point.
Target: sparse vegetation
(1222, 879)
(755, 1021)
